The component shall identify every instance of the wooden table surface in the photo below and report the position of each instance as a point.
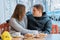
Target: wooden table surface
(17, 39)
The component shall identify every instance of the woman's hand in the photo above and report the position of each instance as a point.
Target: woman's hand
(34, 32)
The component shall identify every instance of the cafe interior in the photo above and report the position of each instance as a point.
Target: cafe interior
(50, 7)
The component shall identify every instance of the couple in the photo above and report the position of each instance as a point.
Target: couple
(33, 23)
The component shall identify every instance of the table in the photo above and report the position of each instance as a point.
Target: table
(49, 37)
(53, 37)
(17, 39)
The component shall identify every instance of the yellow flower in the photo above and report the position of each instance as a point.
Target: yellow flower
(6, 36)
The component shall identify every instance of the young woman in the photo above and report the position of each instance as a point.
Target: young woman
(18, 20)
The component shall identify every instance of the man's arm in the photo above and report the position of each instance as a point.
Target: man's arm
(48, 27)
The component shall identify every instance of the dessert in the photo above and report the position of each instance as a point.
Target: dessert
(41, 35)
(29, 37)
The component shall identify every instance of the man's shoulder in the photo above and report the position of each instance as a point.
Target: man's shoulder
(29, 15)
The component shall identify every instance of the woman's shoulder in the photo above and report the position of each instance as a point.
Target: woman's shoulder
(12, 19)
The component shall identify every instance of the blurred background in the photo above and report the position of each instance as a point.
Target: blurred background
(51, 7)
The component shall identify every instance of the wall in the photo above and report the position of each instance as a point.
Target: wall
(6, 9)
(52, 7)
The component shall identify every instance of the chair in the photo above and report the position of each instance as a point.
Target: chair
(54, 29)
(4, 27)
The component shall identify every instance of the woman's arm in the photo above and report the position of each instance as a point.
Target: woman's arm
(19, 28)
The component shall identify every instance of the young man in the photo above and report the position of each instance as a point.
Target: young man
(39, 20)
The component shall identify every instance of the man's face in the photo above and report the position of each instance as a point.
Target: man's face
(35, 11)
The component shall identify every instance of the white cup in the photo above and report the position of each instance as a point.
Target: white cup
(16, 34)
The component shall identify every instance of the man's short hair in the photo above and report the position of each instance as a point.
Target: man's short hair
(39, 7)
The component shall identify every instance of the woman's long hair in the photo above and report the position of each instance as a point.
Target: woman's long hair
(19, 12)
